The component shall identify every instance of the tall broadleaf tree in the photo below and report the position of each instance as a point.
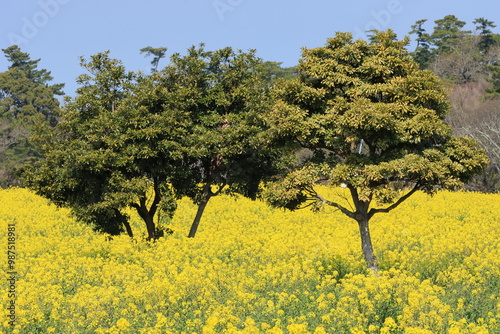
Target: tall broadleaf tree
(112, 150)
(374, 123)
(223, 95)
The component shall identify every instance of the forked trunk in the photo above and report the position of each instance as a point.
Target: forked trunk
(148, 219)
(148, 214)
(366, 244)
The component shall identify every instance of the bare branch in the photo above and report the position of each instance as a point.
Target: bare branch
(345, 211)
(396, 204)
(339, 194)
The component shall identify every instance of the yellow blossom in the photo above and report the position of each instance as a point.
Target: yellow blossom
(254, 269)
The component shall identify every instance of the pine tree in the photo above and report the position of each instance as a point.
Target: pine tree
(487, 38)
(448, 32)
(27, 101)
(422, 53)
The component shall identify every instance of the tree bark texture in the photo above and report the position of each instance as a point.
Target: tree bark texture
(150, 224)
(366, 244)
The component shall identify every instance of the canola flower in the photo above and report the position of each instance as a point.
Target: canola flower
(254, 269)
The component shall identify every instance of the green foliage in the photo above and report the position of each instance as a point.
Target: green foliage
(22, 61)
(449, 45)
(222, 94)
(111, 151)
(465, 61)
(352, 91)
(192, 129)
(494, 79)
(487, 38)
(273, 71)
(157, 53)
(422, 53)
(447, 32)
(373, 122)
(26, 101)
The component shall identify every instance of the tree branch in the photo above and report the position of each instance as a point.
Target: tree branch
(345, 211)
(317, 146)
(307, 205)
(396, 204)
(139, 210)
(354, 194)
(157, 197)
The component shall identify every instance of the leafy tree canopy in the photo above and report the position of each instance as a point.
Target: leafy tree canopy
(448, 31)
(111, 150)
(373, 122)
(273, 71)
(422, 53)
(223, 95)
(454, 54)
(487, 37)
(192, 129)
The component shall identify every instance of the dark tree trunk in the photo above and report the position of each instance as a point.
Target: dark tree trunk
(147, 216)
(125, 223)
(128, 229)
(197, 218)
(366, 244)
(150, 225)
(207, 194)
(362, 215)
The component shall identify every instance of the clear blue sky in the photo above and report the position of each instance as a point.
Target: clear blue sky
(60, 31)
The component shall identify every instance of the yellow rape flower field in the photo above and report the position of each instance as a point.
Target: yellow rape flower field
(254, 269)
